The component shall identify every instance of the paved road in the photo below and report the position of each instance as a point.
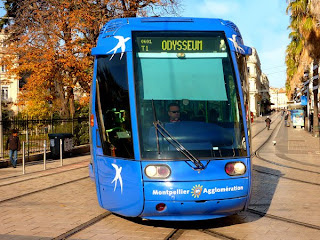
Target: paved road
(286, 186)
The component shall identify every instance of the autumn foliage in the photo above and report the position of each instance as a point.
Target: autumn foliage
(49, 47)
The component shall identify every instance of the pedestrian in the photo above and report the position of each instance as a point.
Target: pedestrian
(286, 119)
(13, 145)
(268, 122)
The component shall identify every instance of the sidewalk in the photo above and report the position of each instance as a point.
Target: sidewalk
(293, 141)
(297, 142)
(37, 168)
(286, 178)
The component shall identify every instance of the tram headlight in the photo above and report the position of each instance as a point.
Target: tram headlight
(235, 168)
(157, 171)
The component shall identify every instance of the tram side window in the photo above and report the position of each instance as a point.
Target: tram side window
(113, 106)
(242, 65)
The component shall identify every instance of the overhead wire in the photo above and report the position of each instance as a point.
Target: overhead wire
(275, 67)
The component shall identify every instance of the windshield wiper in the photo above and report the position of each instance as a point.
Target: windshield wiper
(178, 146)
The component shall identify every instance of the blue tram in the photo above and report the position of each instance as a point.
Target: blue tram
(170, 136)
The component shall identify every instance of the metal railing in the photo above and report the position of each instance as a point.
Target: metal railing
(34, 131)
(44, 156)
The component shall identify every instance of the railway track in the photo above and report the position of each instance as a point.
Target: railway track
(218, 235)
(264, 128)
(41, 190)
(82, 226)
(257, 154)
(38, 177)
(175, 233)
(40, 171)
(282, 219)
(33, 184)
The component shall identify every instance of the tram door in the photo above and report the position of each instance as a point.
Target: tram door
(119, 175)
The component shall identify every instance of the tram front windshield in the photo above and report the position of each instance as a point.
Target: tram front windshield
(185, 83)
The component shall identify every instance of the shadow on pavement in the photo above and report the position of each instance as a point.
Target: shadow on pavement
(264, 184)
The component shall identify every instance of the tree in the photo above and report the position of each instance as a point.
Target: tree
(51, 40)
(305, 25)
(299, 15)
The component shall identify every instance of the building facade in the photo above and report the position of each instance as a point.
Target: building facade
(265, 94)
(9, 85)
(258, 86)
(278, 97)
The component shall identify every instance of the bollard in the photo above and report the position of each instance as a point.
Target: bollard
(61, 159)
(44, 154)
(23, 159)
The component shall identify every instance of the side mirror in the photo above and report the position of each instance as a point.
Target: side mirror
(237, 46)
(246, 50)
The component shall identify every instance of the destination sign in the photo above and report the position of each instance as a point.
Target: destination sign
(179, 44)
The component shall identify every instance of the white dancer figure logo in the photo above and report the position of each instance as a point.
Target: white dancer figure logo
(121, 44)
(235, 44)
(117, 176)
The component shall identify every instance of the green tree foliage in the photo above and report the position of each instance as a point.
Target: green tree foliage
(304, 47)
(298, 13)
(305, 33)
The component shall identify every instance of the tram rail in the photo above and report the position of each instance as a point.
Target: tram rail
(288, 178)
(174, 234)
(286, 166)
(216, 234)
(37, 177)
(40, 171)
(177, 232)
(282, 156)
(264, 128)
(83, 226)
(257, 151)
(43, 189)
(287, 220)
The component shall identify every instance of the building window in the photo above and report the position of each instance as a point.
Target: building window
(5, 93)
(3, 43)
(3, 68)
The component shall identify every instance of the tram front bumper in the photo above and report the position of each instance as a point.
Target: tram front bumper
(195, 200)
(190, 211)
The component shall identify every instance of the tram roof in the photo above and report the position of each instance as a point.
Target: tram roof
(123, 27)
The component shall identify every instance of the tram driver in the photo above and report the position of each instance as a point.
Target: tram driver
(174, 112)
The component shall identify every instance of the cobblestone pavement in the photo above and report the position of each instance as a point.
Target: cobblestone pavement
(286, 186)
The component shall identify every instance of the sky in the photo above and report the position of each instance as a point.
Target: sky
(263, 25)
